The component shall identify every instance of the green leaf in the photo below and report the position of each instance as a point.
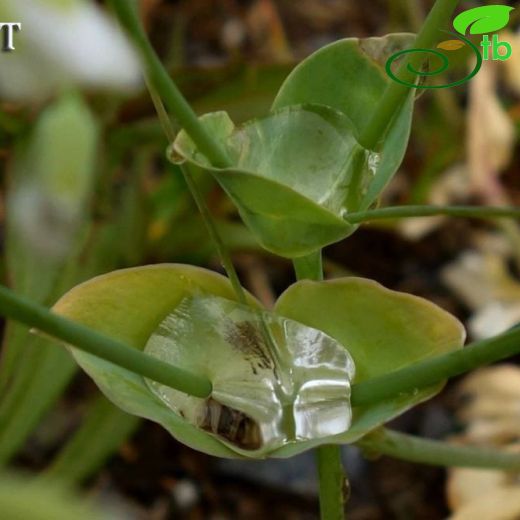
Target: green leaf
(129, 305)
(349, 76)
(299, 171)
(383, 331)
(482, 20)
(188, 316)
(275, 382)
(292, 175)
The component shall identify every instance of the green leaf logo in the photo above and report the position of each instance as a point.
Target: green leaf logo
(482, 20)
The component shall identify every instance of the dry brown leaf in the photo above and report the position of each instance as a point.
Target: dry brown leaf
(500, 430)
(320, 15)
(266, 29)
(512, 65)
(490, 140)
(500, 504)
(491, 411)
(491, 135)
(489, 395)
(481, 278)
(466, 485)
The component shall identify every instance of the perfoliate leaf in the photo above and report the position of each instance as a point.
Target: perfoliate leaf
(349, 75)
(129, 305)
(276, 382)
(281, 380)
(298, 172)
(383, 330)
(292, 175)
(488, 402)
(483, 20)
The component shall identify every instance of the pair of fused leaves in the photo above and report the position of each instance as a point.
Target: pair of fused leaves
(298, 172)
(281, 379)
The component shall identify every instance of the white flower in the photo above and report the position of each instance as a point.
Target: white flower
(63, 43)
(52, 179)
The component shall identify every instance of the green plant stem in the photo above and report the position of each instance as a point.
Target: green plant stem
(200, 202)
(24, 311)
(445, 97)
(309, 267)
(165, 86)
(331, 473)
(332, 482)
(395, 93)
(222, 250)
(417, 375)
(397, 212)
(437, 453)
(436, 369)
(164, 119)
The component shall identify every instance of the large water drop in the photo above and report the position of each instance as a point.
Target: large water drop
(274, 380)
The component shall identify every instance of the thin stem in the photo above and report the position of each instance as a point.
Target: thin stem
(395, 93)
(222, 251)
(396, 212)
(445, 97)
(162, 87)
(209, 222)
(328, 458)
(417, 375)
(164, 118)
(165, 86)
(24, 311)
(437, 453)
(333, 482)
(436, 369)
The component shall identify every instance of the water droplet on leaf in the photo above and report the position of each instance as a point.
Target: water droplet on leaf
(274, 380)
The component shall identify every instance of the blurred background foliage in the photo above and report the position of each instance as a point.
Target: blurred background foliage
(86, 189)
